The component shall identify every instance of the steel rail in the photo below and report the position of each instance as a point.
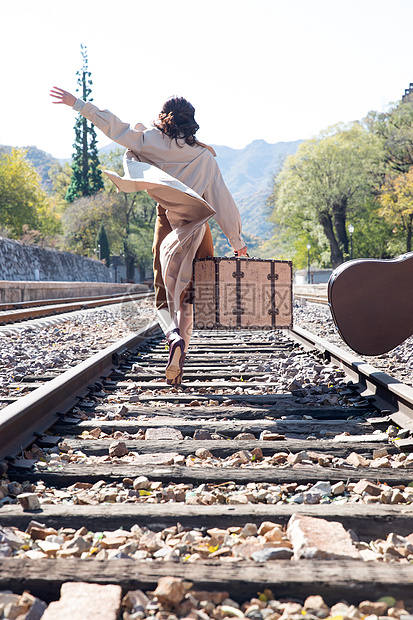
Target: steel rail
(387, 393)
(39, 410)
(70, 306)
(313, 299)
(18, 305)
(313, 293)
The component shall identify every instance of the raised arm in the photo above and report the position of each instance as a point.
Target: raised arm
(108, 123)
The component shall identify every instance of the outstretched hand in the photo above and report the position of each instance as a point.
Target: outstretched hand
(242, 252)
(62, 96)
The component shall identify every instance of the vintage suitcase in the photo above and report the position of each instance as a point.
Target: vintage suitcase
(249, 293)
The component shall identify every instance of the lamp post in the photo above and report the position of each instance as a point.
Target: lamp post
(351, 230)
(99, 251)
(308, 263)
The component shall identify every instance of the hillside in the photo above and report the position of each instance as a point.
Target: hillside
(248, 173)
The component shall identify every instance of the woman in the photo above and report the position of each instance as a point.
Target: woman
(181, 174)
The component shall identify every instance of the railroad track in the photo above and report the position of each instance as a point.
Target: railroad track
(228, 450)
(22, 311)
(313, 293)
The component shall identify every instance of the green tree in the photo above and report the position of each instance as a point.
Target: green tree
(329, 179)
(372, 237)
(82, 219)
(60, 179)
(128, 219)
(396, 199)
(23, 202)
(102, 243)
(132, 222)
(135, 213)
(86, 174)
(395, 130)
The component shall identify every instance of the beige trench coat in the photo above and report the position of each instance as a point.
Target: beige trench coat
(185, 180)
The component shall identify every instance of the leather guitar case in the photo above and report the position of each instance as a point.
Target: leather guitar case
(371, 302)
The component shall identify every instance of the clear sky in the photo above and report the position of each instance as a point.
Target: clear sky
(277, 70)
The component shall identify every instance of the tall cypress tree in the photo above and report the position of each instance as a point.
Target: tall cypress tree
(102, 243)
(86, 174)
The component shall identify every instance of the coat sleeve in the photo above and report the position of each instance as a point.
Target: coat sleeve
(227, 214)
(112, 126)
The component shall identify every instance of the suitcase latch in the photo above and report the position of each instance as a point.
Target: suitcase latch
(238, 311)
(238, 275)
(274, 312)
(271, 276)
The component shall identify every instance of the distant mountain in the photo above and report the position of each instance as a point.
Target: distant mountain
(248, 173)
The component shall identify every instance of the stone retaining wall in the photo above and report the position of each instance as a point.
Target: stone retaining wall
(30, 262)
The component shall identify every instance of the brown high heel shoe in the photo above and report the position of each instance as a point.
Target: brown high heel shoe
(178, 379)
(173, 370)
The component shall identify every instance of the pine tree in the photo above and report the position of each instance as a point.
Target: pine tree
(102, 244)
(86, 174)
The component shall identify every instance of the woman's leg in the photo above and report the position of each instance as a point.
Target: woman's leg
(185, 314)
(162, 229)
(185, 322)
(169, 325)
(180, 328)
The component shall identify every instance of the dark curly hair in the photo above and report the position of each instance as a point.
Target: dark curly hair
(176, 120)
